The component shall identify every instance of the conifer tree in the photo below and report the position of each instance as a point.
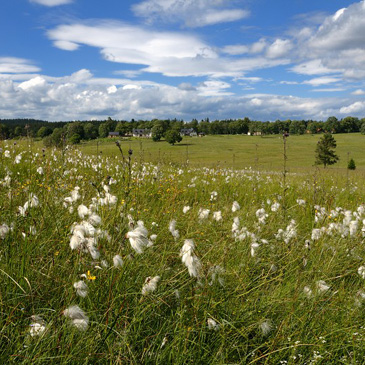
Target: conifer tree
(325, 154)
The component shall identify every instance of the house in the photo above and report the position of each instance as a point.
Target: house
(188, 132)
(113, 134)
(142, 132)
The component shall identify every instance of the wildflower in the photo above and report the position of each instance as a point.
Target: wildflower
(4, 230)
(361, 271)
(203, 213)
(18, 158)
(212, 324)
(117, 261)
(172, 228)
(138, 238)
(213, 196)
(217, 216)
(75, 195)
(186, 209)
(77, 316)
(235, 207)
(33, 201)
(38, 326)
(81, 288)
(189, 258)
(150, 285)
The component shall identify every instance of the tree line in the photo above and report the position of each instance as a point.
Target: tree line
(55, 133)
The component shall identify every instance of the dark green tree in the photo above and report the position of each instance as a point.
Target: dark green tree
(172, 136)
(351, 165)
(325, 154)
(362, 129)
(44, 132)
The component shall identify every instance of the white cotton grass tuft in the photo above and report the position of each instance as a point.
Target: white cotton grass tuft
(361, 271)
(275, 207)
(40, 170)
(235, 207)
(307, 292)
(265, 327)
(213, 196)
(261, 215)
(212, 324)
(150, 285)
(189, 258)
(172, 228)
(117, 261)
(203, 213)
(78, 317)
(4, 230)
(322, 286)
(186, 209)
(82, 211)
(138, 238)
(81, 288)
(217, 216)
(216, 273)
(37, 326)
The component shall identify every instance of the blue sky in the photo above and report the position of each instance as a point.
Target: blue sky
(264, 59)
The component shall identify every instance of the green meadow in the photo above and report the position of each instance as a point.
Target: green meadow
(237, 151)
(107, 258)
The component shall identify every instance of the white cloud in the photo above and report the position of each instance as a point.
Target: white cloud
(333, 89)
(313, 67)
(357, 107)
(168, 53)
(52, 2)
(83, 96)
(16, 65)
(358, 92)
(193, 13)
(239, 49)
(280, 48)
(321, 81)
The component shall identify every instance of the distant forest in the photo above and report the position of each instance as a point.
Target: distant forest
(73, 132)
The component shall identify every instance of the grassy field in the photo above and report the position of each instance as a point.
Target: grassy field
(238, 151)
(111, 261)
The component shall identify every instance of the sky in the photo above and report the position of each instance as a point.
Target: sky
(63, 60)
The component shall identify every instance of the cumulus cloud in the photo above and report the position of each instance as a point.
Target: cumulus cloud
(51, 2)
(83, 96)
(192, 13)
(358, 92)
(280, 48)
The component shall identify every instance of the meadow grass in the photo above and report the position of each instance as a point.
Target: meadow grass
(280, 280)
(237, 151)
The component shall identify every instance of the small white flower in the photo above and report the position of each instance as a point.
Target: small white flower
(117, 261)
(172, 228)
(275, 207)
(301, 202)
(150, 285)
(213, 196)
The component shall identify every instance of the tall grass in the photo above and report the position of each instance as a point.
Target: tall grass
(260, 296)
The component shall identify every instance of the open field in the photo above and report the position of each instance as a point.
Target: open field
(238, 151)
(111, 261)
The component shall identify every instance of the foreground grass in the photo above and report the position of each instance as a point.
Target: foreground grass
(262, 295)
(237, 151)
